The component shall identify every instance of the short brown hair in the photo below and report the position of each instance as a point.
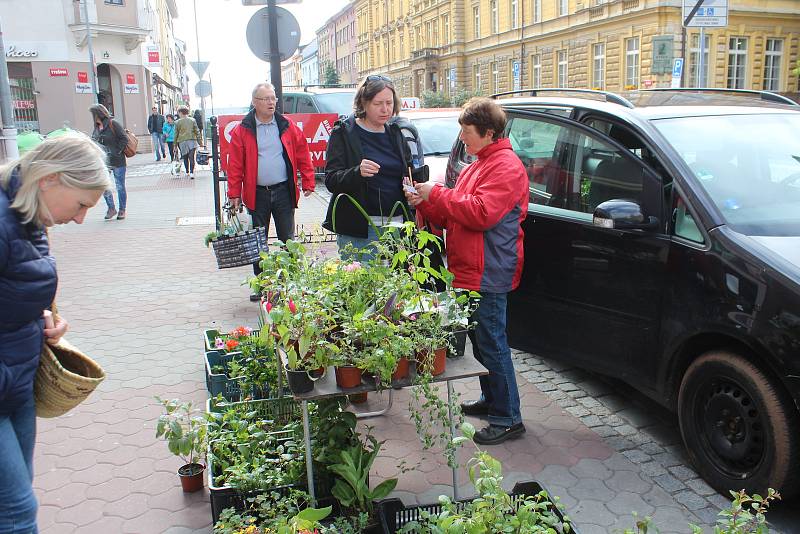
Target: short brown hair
(373, 84)
(484, 114)
(184, 110)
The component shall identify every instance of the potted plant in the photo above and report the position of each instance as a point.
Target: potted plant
(185, 434)
(352, 488)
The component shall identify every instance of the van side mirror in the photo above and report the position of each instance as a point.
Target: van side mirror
(621, 214)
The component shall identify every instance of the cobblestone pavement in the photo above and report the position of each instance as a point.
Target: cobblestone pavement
(137, 294)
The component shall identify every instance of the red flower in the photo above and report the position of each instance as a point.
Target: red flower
(231, 344)
(268, 306)
(292, 307)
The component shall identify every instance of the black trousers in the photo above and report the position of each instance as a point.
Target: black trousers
(278, 203)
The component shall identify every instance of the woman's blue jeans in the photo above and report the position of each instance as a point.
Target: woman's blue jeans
(17, 501)
(364, 252)
(490, 347)
(119, 179)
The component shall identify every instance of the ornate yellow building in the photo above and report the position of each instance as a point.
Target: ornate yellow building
(501, 45)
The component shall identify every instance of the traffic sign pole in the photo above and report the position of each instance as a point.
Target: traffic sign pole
(700, 79)
(275, 55)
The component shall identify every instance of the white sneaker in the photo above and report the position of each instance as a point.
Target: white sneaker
(191, 175)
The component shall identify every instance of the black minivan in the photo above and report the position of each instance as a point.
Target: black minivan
(662, 247)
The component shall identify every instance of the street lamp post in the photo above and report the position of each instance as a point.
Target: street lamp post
(89, 46)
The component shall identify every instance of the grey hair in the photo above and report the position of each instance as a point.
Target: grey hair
(74, 158)
(265, 85)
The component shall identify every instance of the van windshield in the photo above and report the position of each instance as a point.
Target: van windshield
(748, 164)
(339, 103)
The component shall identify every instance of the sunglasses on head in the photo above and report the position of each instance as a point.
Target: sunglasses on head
(378, 78)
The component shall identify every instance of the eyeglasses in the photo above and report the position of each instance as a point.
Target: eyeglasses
(378, 78)
(265, 98)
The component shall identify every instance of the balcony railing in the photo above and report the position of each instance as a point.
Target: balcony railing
(425, 53)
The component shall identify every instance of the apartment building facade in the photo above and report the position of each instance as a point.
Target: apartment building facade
(501, 45)
(336, 41)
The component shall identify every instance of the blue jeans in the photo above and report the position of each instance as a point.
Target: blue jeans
(365, 250)
(490, 347)
(119, 179)
(158, 145)
(17, 502)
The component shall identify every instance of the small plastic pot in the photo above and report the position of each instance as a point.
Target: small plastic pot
(192, 477)
(402, 370)
(434, 364)
(358, 398)
(299, 381)
(348, 376)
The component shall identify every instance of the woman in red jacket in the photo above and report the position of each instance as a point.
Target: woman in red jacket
(482, 216)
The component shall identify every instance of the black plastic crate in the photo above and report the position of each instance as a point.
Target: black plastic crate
(393, 514)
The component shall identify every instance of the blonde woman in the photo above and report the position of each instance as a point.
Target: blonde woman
(54, 183)
(188, 138)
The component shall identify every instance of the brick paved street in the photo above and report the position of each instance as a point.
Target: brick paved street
(137, 293)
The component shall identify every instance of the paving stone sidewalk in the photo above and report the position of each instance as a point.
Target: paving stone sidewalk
(137, 293)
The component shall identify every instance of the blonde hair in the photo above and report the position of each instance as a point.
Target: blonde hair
(74, 158)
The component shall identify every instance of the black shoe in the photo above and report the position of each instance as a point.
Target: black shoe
(477, 407)
(255, 297)
(494, 435)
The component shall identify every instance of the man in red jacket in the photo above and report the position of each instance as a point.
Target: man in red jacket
(267, 150)
(482, 216)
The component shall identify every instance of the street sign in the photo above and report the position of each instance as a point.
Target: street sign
(199, 67)
(663, 46)
(705, 13)
(677, 72)
(258, 34)
(515, 70)
(202, 88)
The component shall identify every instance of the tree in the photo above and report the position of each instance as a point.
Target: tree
(330, 76)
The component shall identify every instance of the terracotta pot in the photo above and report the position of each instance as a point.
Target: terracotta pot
(191, 477)
(348, 376)
(435, 365)
(358, 398)
(402, 369)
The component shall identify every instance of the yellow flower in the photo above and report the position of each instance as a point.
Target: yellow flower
(330, 267)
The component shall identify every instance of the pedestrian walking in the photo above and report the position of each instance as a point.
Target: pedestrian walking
(267, 151)
(54, 183)
(155, 125)
(482, 216)
(169, 135)
(111, 135)
(366, 159)
(187, 137)
(198, 118)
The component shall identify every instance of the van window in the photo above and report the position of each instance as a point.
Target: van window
(305, 105)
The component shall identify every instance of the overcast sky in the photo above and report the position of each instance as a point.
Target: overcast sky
(221, 28)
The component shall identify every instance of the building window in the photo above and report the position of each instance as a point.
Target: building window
(694, 61)
(514, 8)
(632, 62)
(495, 18)
(563, 7)
(599, 66)
(537, 10)
(563, 69)
(737, 62)
(418, 44)
(495, 77)
(402, 46)
(429, 33)
(772, 65)
(536, 71)
(476, 77)
(446, 29)
(476, 22)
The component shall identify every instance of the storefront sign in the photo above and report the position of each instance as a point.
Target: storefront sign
(316, 128)
(131, 89)
(13, 51)
(58, 72)
(24, 104)
(83, 88)
(130, 78)
(153, 56)
(647, 84)
(83, 77)
(663, 47)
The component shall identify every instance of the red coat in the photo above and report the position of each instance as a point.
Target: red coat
(483, 216)
(243, 159)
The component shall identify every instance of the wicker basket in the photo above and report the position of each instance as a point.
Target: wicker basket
(64, 379)
(241, 249)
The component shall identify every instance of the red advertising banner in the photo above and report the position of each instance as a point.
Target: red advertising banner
(316, 127)
(130, 78)
(83, 77)
(153, 56)
(58, 72)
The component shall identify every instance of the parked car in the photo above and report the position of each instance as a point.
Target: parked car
(662, 247)
(315, 99)
(436, 129)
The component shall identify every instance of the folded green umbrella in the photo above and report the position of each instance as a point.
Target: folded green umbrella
(28, 140)
(60, 132)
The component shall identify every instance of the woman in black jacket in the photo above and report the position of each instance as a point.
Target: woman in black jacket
(111, 136)
(367, 159)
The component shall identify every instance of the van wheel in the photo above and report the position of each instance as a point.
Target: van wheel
(740, 430)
